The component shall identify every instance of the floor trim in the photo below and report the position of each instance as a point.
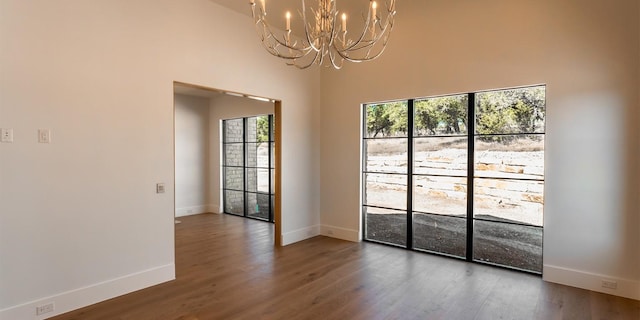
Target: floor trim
(591, 281)
(82, 297)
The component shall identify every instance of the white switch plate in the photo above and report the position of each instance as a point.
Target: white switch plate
(6, 135)
(44, 135)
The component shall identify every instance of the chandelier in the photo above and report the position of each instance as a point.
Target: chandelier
(325, 40)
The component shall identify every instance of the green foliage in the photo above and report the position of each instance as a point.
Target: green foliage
(497, 112)
(441, 115)
(389, 119)
(426, 117)
(262, 128)
(398, 117)
(510, 111)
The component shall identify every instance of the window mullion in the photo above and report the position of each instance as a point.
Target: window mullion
(471, 128)
(410, 174)
(245, 183)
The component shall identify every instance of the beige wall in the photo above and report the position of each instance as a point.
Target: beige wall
(192, 144)
(80, 220)
(587, 54)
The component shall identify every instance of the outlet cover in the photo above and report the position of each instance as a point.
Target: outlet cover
(160, 188)
(45, 308)
(610, 284)
(6, 135)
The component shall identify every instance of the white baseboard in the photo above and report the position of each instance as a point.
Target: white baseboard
(82, 297)
(625, 287)
(300, 234)
(188, 211)
(340, 233)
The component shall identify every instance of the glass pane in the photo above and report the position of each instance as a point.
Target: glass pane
(441, 116)
(511, 111)
(272, 134)
(272, 189)
(388, 226)
(273, 207)
(511, 156)
(386, 155)
(273, 154)
(440, 233)
(440, 195)
(258, 180)
(258, 129)
(258, 205)
(252, 129)
(233, 178)
(510, 245)
(233, 202)
(441, 156)
(233, 130)
(518, 201)
(233, 154)
(258, 155)
(386, 190)
(386, 119)
(262, 130)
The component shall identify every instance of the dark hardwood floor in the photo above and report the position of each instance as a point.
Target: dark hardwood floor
(227, 268)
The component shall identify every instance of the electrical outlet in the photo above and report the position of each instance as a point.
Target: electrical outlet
(159, 187)
(6, 135)
(610, 284)
(45, 308)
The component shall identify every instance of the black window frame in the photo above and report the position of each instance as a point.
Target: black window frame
(245, 167)
(471, 136)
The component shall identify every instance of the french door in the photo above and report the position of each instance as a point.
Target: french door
(248, 167)
(459, 175)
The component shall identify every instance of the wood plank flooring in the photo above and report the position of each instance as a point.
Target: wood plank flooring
(227, 268)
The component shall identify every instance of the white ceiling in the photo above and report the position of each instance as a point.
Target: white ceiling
(276, 9)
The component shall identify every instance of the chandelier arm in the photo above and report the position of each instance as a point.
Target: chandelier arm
(273, 49)
(366, 58)
(345, 54)
(266, 33)
(360, 43)
(307, 27)
(372, 42)
(266, 30)
(333, 59)
(305, 66)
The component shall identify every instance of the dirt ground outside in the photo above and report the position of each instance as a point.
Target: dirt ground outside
(509, 180)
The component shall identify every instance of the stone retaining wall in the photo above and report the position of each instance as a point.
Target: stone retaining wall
(502, 186)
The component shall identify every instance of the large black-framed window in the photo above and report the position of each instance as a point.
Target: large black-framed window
(459, 175)
(248, 167)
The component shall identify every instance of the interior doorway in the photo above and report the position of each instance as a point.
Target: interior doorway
(199, 116)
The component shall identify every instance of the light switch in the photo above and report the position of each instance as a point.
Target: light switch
(6, 135)
(44, 135)
(160, 188)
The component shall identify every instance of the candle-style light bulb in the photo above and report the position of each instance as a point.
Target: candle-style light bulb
(374, 5)
(264, 6)
(288, 15)
(344, 22)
